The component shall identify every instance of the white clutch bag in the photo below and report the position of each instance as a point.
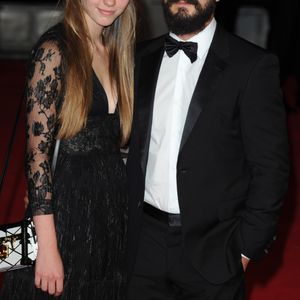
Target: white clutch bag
(18, 245)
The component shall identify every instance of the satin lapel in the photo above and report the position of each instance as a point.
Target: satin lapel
(205, 87)
(149, 69)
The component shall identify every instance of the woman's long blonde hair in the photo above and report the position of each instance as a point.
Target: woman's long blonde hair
(119, 39)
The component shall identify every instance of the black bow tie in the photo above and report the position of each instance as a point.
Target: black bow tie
(189, 48)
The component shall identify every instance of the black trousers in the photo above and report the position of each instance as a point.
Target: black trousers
(164, 272)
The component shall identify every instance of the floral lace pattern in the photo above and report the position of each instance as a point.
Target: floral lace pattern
(43, 97)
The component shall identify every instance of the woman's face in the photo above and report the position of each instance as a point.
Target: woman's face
(104, 12)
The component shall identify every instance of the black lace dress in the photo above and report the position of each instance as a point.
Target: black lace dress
(87, 194)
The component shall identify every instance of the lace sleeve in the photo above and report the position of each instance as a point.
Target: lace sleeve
(42, 100)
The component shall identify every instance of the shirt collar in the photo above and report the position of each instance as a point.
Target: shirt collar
(203, 38)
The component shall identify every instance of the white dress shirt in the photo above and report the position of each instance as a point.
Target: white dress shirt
(175, 86)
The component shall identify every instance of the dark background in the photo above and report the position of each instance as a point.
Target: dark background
(284, 35)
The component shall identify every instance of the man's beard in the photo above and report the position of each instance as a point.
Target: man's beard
(181, 23)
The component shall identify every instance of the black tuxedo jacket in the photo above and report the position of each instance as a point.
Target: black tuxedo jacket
(232, 167)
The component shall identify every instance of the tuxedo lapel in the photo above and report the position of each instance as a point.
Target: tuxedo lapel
(150, 65)
(210, 75)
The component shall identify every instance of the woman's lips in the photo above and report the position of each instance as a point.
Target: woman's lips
(106, 12)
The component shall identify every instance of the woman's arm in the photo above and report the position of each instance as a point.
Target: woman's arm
(42, 99)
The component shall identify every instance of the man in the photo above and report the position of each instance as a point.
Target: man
(208, 159)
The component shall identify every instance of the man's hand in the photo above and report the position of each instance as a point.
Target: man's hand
(245, 262)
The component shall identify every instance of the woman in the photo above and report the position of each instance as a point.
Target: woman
(80, 90)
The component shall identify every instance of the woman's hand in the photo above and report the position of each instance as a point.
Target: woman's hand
(49, 272)
(26, 199)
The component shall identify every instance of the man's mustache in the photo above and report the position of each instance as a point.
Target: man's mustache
(193, 2)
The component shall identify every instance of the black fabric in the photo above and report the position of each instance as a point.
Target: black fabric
(89, 197)
(189, 48)
(163, 270)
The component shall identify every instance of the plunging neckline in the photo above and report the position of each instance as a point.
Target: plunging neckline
(104, 93)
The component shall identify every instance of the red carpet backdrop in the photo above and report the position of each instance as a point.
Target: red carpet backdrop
(276, 277)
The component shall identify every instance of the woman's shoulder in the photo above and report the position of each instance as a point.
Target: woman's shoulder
(52, 39)
(55, 33)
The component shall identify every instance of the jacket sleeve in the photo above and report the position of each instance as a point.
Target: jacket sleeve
(263, 125)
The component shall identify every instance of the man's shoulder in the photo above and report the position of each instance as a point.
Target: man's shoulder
(151, 45)
(242, 48)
